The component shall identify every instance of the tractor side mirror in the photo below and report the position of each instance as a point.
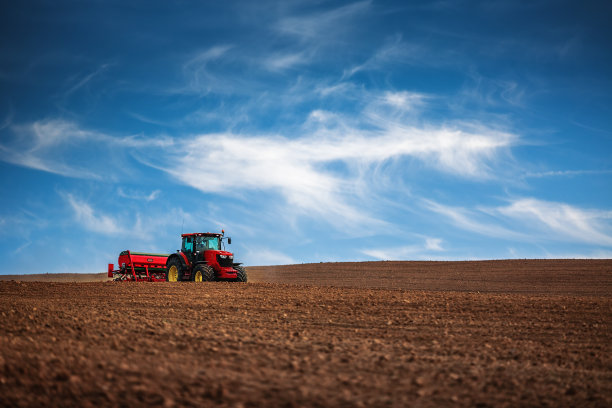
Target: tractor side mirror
(229, 240)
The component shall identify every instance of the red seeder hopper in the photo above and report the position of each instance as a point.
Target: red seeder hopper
(139, 266)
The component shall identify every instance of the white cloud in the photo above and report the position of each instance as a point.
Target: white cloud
(321, 116)
(200, 59)
(23, 222)
(22, 247)
(434, 244)
(43, 163)
(64, 148)
(393, 50)
(139, 196)
(403, 100)
(227, 164)
(327, 24)
(280, 62)
(562, 221)
(595, 254)
(298, 168)
(474, 221)
(324, 170)
(430, 249)
(143, 226)
(93, 221)
(264, 256)
(396, 51)
(79, 83)
(50, 133)
(489, 92)
(566, 173)
(533, 220)
(341, 89)
(35, 146)
(201, 79)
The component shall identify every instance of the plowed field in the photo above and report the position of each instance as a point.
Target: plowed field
(342, 342)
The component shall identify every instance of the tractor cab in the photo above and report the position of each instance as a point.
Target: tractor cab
(193, 243)
(207, 247)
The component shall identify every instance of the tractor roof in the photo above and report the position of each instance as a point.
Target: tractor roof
(202, 234)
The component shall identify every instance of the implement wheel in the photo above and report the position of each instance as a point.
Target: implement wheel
(174, 271)
(203, 273)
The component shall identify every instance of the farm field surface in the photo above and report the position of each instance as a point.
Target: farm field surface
(494, 333)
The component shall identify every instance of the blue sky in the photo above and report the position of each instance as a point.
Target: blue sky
(309, 130)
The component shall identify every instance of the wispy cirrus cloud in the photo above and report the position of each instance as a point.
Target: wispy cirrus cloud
(483, 92)
(430, 249)
(201, 78)
(532, 220)
(565, 173)
(39, 147)
(302, 171)
(65, 148)
(323, 172)
(21, 223)
(78, 82)
(138, 224)
(395, 51)
(562, 221)
(296, 38)
(281, 62)
(404, 100)
(473, 221)
(266, 256)
(377, 127)
(135, 195)
(594, 254)
(92, 220)
(326, 24)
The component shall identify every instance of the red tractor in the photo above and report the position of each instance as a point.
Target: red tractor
(202, 258)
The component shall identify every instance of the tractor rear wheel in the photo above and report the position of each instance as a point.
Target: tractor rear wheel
(241, 276)
(203, 273)
(174, 271)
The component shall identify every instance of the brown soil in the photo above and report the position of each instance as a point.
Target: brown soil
(272, 344)
(58, 277)
(529, 276)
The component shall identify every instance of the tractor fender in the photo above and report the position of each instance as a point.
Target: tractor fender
(180, 256)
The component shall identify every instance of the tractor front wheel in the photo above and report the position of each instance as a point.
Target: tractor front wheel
(241, 276)
(203, 273)
(174, 271)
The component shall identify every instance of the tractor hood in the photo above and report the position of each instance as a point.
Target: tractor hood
(223, 258)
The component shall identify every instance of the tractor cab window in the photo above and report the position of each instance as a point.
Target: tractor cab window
(207, 243)
(187, 244)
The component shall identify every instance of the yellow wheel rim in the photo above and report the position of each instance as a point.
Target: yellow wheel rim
(173, 274)
(198, 276)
